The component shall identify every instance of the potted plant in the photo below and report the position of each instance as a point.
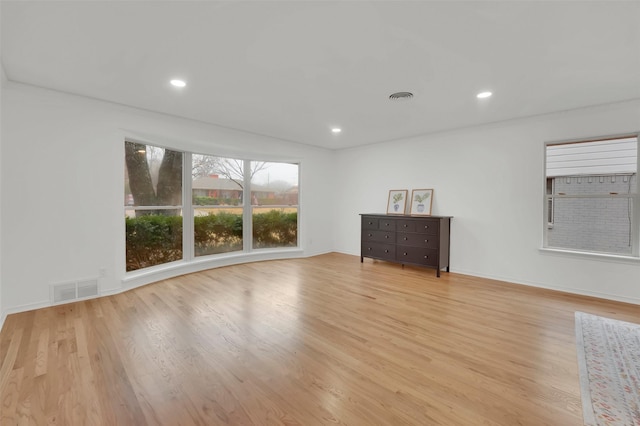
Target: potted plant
(396, 200)
(420, 200)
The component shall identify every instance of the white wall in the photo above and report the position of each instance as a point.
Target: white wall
(62, 172)
(63, 179)
(490, 178)
(3, 80)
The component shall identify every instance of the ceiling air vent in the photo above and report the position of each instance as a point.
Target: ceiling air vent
(401, 96)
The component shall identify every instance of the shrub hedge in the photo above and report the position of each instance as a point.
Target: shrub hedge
(212, 201)
(275, 229)
(155, 239)
(152, 240)
(217, 233)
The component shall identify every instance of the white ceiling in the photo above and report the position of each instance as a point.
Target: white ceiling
(293, 70)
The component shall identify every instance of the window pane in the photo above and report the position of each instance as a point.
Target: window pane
(592, 224)
(591, 190)
(595, 167)
(217, 230)
(274, 202)
(153, 178)
(550, 201)
(217, 192)
(153, 239)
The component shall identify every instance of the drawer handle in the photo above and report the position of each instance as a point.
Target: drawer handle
(405, 254)
(405, 225)
(426, 227)
(370, 223)
(386, 251)
(369, 248)
(426, 257)
(386, 224)
(370, 235)
(386, 236)
(426, 241)
(405, 238)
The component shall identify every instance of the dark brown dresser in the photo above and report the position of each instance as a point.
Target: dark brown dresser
(413, 240)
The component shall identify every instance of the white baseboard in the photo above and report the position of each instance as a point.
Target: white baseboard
(177, 269)
(577, 291)
(23, 308)
(512, 280)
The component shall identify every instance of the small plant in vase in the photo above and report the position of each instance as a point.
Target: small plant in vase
(420, 200)
(396, 200)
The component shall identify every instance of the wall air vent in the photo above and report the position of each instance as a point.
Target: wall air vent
(66, 292)
(87, 288)
(398, 96)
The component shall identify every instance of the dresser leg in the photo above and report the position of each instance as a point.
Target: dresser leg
(438, 273)
(361, 259)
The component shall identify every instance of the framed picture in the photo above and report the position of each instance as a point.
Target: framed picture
(421, 201)
(397, 201)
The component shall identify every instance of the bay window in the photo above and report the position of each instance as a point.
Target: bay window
(228, 205)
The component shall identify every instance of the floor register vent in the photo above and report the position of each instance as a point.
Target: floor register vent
(64, 292)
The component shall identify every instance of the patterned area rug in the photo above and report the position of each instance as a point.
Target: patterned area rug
(609, 362)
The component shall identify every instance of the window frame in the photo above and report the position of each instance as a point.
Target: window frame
(549, 200)
(187, 212)
(550, 203)
(249, 203)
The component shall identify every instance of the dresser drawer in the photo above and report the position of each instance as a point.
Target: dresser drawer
(427, 226)
(379, 236)
(422, 256)
(378, 250)
(406, 225)
(417, 240)
(370, 222)
(387, 224)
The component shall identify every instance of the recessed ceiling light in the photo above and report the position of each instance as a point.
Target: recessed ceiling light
(483, 95)
(336, 130)
(178, 83)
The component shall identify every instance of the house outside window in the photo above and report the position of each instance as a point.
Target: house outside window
(591, 197)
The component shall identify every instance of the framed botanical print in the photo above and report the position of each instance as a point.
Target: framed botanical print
(421, 202)
(397, 201)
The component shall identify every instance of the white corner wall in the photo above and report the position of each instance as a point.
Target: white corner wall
(491, 179)
(3, 80)
(62, 187)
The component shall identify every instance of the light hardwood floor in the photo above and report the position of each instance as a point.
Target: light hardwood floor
(319, 341)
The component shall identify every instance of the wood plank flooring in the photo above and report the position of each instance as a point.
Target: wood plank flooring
(318, 341)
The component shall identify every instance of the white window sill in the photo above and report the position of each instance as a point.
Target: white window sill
(181, 267)
(591, 255)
